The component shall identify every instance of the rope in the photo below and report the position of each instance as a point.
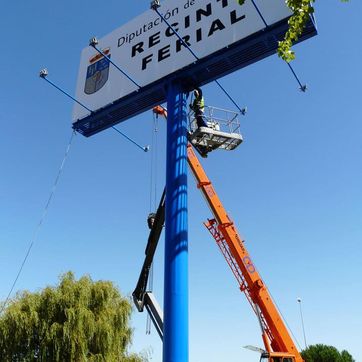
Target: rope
(302, 87)
(177, 34)
(285, 321)
(148, 324)
(152, 166)
(156, 163)
(260, 14)
(143, 148)
(150, 288)
(241, 110)
(111, 61)
(153, 199)
(281, 314)
(41, 222)
(64, 92)
(44, 74)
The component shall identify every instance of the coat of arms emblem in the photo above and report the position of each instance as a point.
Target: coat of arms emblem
(97, 72)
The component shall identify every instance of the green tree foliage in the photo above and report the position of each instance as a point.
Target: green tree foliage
(323, 353)
(301, 9)
(78, 320)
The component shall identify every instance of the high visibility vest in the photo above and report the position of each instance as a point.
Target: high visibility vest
(198, 104)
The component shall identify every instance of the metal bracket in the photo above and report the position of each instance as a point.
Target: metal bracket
(155, 4)
(43, 73)
(93, 42)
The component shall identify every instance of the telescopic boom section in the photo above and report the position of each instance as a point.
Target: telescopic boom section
(275, 334)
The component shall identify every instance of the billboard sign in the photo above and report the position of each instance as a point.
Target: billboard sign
(149, 52)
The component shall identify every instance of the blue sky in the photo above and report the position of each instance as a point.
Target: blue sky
(293, 188)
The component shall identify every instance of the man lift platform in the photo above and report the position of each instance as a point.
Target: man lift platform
(222, 131)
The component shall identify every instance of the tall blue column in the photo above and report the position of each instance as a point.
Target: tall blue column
(175, 339)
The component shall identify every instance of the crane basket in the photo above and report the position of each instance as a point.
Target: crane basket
(222, 131)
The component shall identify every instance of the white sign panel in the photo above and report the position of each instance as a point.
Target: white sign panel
(147, 49)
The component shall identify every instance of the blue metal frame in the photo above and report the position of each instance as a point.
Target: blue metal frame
(175, 337)
(227, 60)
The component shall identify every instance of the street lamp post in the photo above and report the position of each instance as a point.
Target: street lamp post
(299, 300)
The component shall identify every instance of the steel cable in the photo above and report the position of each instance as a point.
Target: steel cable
(41, 221)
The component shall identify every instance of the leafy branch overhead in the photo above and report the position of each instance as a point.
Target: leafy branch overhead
(301, 9)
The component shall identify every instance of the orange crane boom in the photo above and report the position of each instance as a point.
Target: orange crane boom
(275, 334)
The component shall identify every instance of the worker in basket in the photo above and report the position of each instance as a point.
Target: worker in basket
(198, 107)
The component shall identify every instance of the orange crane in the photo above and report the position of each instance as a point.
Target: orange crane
(277, 341)
(279, 346)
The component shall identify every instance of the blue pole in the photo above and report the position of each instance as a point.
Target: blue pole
(175, 340)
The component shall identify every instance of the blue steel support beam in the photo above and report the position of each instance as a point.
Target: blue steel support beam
(175, 341)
